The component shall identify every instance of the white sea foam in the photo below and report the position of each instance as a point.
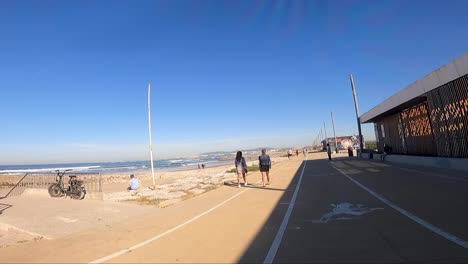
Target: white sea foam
(175, 161)
(35, 170)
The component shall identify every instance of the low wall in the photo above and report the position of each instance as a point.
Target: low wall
(45, 193)
(438, 162)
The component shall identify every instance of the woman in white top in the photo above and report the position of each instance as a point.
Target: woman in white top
(241, 168)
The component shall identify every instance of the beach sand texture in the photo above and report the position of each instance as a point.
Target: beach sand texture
(173, 186)
(61, 214)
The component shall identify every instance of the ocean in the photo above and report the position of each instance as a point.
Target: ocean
(181, 163)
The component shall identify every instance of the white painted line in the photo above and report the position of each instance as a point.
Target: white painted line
(433, 174)
(279, 236)
(121, 252)
(411, 216)
(4, 226)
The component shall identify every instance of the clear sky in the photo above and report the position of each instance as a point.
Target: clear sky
(225, 75)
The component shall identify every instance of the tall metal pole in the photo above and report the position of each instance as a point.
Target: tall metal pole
(325, 131)
(334, 134)
(356, 107)
(149, 131)
(320, 139)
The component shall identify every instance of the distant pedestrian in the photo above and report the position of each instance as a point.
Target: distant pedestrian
(133, 183)
(203, 166)
(304, 151)
(289, 153)
(387, 150)
(329, 151)
(264, 162)
(241, 168)
(297, 152)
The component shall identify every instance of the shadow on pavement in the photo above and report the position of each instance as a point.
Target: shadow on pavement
(385, 235)
(258, 249)
(252, 186)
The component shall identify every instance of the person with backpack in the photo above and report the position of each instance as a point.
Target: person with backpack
(264, 162)
(241, 168)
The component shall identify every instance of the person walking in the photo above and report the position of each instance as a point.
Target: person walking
(241, 168)
(304, 151)
(264, 162)
(329, 151)
(289, 153)
(297, 152)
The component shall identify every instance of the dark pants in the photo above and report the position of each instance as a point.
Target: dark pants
(329, 156)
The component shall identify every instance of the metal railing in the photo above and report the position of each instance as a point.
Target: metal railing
(15, 185)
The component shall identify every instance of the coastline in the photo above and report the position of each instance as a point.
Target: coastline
(172, 186)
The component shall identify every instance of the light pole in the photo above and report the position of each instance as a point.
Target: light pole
(149, 132)
(334, 134)
(325, 130)
(356, 107)
(320, 139)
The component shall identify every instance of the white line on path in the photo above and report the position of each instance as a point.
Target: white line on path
(411, 216)
(279, 236)
(434, 174)
(119, 253)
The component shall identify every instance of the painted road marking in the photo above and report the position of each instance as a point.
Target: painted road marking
(344, 209)
(434, 174)
(279, 236)
(411, 216)
(460, 178)
(121, 252)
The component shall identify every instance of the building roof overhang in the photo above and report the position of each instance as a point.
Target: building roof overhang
(415, 92)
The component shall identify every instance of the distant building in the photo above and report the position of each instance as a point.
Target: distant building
(429, 117)
(343, 142)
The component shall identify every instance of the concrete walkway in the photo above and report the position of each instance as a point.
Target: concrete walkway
(336, 215)
(49, 218)
(226, 231)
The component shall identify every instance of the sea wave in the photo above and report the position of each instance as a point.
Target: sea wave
(33, 170)
(114, 167)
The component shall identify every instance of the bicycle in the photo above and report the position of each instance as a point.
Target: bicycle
(74, 189)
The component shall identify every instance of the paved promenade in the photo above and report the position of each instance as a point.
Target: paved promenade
(346, 210)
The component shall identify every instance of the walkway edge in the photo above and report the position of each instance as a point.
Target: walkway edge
(279, 236)
(411, 216)
(119, 253)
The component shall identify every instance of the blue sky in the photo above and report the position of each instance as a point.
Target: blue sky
(225, 75)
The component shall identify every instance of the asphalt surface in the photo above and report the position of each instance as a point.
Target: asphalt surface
(335, 216)
(383, 234)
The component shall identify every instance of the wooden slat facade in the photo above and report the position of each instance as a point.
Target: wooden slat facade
(449, 117)
(437, 127)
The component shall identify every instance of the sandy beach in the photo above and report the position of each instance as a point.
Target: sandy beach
(174, 186)
(60, 217)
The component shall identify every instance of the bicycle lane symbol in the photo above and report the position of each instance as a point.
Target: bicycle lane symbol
(344, 211)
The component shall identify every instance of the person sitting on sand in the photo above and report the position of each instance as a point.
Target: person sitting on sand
(241, 168)
(133, 183)
(264, 162)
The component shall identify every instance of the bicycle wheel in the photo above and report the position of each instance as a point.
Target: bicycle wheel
(54, 190)
(83, 192)
(76, 192)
